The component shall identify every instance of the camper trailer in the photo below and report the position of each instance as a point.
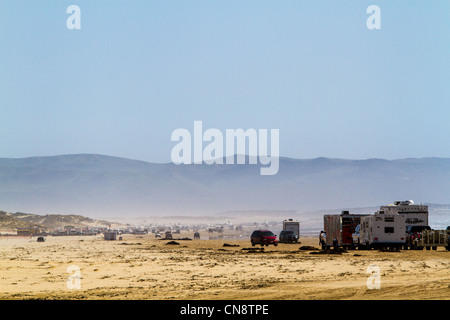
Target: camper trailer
(292, 225)
(339, 229)
(382, 230)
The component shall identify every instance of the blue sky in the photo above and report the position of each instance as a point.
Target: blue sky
(137, 70)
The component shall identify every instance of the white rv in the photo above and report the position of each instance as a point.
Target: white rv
(292, 225)
(416, 214)
(382, 230)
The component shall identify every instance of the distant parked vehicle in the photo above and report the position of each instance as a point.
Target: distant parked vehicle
(196, 235)
(291, 225)
(110, 235)
(40, 239)
(168, 235)
(157, 235)
(287, 236)
(263, 237)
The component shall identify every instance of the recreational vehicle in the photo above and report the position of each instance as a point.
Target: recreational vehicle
(382, 230)
(416, 214)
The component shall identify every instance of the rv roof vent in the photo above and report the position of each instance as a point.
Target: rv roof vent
(404, 203)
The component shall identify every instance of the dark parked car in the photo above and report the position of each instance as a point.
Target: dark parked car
(40, 239)
(263, 237)
(287, 236)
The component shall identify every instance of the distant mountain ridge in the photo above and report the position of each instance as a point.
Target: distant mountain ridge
(101, 186)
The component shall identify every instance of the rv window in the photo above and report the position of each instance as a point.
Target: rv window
(389, 219)
(389, 230)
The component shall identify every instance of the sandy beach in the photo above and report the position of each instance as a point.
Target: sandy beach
(142, 267)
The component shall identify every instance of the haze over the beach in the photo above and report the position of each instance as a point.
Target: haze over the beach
(136, 71)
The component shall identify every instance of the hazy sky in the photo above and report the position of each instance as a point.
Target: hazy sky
(137, 70)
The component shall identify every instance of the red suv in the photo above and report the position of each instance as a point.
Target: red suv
(263, 237)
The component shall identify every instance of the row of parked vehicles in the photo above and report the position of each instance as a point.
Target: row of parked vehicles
(400, 225)
(266, 237)
(289, 234)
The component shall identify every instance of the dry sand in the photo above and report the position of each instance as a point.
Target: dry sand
(142, 267)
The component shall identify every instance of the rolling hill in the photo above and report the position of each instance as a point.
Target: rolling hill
(104, 186)
(11, 221)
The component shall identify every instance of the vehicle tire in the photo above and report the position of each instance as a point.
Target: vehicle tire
(253, 244)
(434, 247)
(275, 244)
(428, 248)
(448, 248)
